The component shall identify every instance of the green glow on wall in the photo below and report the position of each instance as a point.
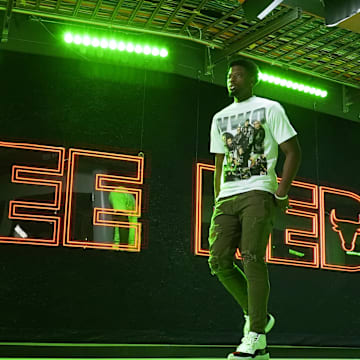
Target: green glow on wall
(297, 253)
(112, 44)
(353, 253)
(293, 85)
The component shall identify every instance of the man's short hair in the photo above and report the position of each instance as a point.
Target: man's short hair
(251, 68)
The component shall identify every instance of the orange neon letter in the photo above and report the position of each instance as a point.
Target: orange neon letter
(200, 168)
(299, 246)
(35, 210)
(121, 201)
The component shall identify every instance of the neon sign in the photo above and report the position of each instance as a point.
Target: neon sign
(321, 230)
(338, 226)
(336, 232)
(30, 175)
(52, 177)
(311, 234)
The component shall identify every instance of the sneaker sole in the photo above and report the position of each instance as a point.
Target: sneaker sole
(250, 357)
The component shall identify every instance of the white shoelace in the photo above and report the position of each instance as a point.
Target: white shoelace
(248, 340)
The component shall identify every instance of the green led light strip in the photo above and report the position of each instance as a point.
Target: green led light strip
(297, 253)
(112, 44)
(293, 85)
(353, 253)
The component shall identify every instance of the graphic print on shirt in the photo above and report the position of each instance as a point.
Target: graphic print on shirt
(243, 136)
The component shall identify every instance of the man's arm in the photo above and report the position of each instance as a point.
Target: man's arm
(292, 151)
(219, 158)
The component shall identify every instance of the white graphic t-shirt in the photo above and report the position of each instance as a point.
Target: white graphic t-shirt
(248, 133)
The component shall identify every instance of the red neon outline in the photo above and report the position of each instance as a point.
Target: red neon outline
(19, 176)
(324, 264)
(290, 232)
(198, 207)
(335, 227)
(100, 185)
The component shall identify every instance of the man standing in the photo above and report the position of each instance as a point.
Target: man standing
(244, 207)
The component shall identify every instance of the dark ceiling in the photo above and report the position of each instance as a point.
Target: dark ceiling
(296, 40)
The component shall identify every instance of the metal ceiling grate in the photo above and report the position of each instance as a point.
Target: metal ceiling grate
(304, 45)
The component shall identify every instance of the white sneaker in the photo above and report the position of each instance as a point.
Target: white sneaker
(252, 347)
(270, 324)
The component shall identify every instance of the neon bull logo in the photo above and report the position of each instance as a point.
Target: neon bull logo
(345, 228)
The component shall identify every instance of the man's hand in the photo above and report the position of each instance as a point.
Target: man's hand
(283, 205)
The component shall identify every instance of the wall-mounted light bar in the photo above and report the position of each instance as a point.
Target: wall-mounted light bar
(115, 45)
(293, 85)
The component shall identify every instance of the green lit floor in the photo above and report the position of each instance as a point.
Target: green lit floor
(157, 358)
(93, 351)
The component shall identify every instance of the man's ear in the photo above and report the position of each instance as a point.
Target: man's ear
(252, 81)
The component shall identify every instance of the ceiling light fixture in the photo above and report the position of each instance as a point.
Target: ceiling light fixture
(306, 89)
(113, 44)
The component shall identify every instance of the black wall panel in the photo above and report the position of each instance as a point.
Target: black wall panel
(164, 294)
